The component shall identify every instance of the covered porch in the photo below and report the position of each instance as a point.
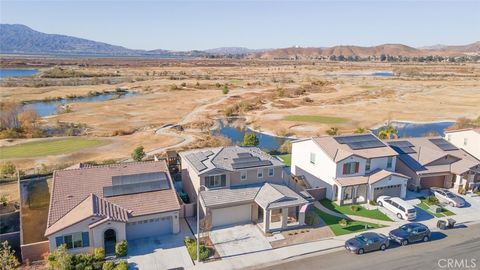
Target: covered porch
(350, 191)
(468, 181)
(279, 208)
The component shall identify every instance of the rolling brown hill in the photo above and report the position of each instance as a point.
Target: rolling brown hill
(377, 51)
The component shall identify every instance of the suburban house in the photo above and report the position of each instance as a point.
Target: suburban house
(434, 162)
(351, 168)
(467, 139)
(97, 206)
(241, 185)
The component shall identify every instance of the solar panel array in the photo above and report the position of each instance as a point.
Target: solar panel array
(246, 160)
(443, 144)
(403, 147)
(197, 160)
(136, 183)
(357, 142)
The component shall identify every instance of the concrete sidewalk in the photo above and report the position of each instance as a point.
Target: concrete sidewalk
(325, 245)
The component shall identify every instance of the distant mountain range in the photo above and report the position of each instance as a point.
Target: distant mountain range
(20, 39)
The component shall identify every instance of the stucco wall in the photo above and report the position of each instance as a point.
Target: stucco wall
(252, 177)
(320, 174)
(473, 141)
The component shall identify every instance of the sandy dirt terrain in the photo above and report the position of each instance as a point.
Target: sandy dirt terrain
(188, 93)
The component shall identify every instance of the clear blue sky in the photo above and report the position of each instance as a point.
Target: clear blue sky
(185, 25)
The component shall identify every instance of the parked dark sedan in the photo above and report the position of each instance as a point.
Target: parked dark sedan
(410, 233)
(366, 242)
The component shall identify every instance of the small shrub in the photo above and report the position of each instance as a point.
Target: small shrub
(307, 100)
(121, 249)
(354, 208)
(109, 265)
(461, 190)
(183, 84)
(343, 222)
(123, 265)
(432, 200)
(372, 202)
(4, 200)
(99, 254)
(225, 90)
(80, 266)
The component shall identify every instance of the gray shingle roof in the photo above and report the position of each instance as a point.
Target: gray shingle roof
(224, 158)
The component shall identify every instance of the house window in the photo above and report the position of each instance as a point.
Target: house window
(243, 175)
(312, 158)
(465, 141)
(367, 165)
(75, 240)
(270, 172)
(350, 168)
(389, 162)
(213, 181)
(260, 173)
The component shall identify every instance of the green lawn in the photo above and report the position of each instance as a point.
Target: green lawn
(346, 210)
(352, 227)
(287, 159)
(317, 119)
(445, 213)
(48, 147)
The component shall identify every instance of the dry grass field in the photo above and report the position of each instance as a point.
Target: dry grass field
(294, 98)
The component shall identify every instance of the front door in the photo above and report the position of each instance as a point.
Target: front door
(110, 239)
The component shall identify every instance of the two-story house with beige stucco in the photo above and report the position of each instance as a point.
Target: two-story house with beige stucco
(239, 185)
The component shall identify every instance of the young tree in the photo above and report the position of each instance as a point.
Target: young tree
(8, 261)
(225, 89)
(387, 132)
(138, 154)
(250, 139)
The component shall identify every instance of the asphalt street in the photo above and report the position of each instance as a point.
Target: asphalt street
(457, 248)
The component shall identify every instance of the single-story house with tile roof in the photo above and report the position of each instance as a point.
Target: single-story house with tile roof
(434, 162)
(241, 185)
(98, 206)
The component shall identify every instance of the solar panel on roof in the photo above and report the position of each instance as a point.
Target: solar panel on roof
(245, 159)
(401, 143)
(443, 144)
(357, 142)
(199, 166)
(251, 164)
(404, 150)
(208, 153)
(138, 178)
(242, 155)
(125, 189)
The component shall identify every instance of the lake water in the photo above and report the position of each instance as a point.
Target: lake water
(406, 129)
(8, 72)
(383, 74)
(235, 134)
(45, 108)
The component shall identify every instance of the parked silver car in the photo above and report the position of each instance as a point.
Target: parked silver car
(446, 196)
(366, 242)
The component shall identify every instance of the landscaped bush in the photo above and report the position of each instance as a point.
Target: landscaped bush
(355, 208)
(109, 265)
(432, 200)
(343, 222)
(371, 202)
(191, 245)
(123, 265)
(99, 254)
(121, 249)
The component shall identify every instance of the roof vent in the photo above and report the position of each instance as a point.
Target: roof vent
(69, 196)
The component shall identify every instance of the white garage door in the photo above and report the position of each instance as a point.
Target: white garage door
(232, 215)
(149, 227)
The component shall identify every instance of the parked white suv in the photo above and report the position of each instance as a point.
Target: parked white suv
(399, 207)
(446, 196)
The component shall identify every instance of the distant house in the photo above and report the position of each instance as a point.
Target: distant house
(351, 168)
(434, 162)
(97, 206)
(467, 139)
(242, 185)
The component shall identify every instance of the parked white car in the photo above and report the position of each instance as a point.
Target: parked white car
(446, 196)
(399, 207)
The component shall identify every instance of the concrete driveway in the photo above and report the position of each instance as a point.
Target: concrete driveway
(237, 240)
(161, 252)
(472, 207)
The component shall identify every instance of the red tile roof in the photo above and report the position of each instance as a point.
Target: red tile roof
(71, 188)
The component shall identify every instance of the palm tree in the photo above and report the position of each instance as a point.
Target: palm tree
(388, 132)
